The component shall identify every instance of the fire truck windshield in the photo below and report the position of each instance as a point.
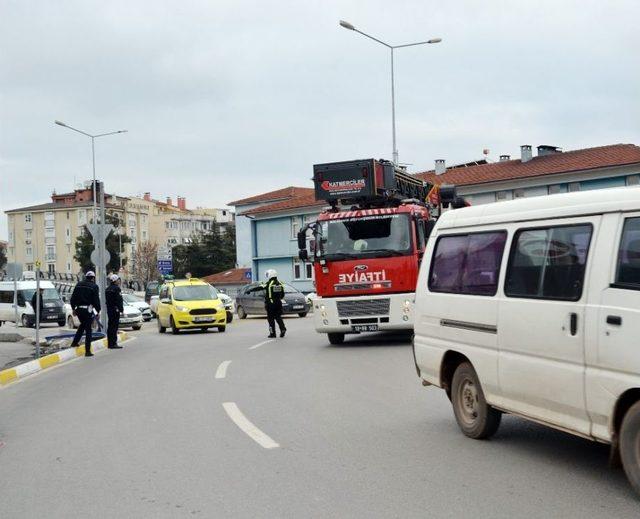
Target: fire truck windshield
(378, 235)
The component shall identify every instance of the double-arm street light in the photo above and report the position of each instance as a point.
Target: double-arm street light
(349, 26)
(93, 157)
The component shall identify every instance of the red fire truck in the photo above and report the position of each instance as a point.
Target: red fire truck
(367, 247)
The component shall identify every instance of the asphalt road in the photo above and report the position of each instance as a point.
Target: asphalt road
(319, 431)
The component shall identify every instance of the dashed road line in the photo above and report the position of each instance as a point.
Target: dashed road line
(247, 427)
(221, 372)
(260, 344)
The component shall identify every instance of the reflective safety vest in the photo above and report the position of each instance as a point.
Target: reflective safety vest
(275, 290)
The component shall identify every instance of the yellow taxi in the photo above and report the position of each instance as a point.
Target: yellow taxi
(190, 303)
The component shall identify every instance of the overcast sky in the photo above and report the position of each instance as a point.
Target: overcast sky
(227, 99)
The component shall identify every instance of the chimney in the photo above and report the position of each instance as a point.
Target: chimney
(525, 153)
(505, 158)
(440, 167)
(169, 201)
(182, 203)
(545, 149)
(147, 196)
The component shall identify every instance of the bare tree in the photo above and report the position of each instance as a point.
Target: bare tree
(145, 267)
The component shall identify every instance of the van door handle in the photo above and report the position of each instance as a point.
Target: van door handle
(615, 320)
(574, 323)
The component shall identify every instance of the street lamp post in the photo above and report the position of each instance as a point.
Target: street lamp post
(93, 156)
(350, 27)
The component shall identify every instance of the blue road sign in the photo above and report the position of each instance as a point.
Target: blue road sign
(165, 266)
(247, 275)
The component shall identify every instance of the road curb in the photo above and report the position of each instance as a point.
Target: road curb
(21, 371)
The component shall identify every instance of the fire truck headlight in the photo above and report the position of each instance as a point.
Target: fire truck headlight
(322, 307)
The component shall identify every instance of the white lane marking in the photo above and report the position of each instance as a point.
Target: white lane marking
(247, 427)
(260, 344)
(221, 372)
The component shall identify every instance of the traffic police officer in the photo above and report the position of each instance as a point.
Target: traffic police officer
(84, 300)
(274, 293)
(113, 296)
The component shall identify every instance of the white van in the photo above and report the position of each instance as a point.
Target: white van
(532, 307)
(53, 311)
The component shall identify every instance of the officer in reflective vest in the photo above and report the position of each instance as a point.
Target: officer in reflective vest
(274, 293)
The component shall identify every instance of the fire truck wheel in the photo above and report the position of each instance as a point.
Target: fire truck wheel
(336, 338)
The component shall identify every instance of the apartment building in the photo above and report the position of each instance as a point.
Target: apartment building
(173, 224)
(47, 232)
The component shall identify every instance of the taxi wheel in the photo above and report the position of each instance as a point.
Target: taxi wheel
(221, 329)
(174, 329)
(161, 329)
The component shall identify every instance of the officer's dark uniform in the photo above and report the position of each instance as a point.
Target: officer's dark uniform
(34, 303)
(274, 293)
(84, 298)
(113, 296)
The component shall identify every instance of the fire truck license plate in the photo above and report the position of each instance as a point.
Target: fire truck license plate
(365, 327)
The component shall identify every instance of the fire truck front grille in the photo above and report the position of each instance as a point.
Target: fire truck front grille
(363, 307)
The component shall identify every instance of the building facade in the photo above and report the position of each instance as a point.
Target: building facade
(245, 238)
(47, 232)
(550, 171)
(273, 230)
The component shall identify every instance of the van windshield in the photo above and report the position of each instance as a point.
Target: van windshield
(376, 235)
(48, 294)
(194, 293)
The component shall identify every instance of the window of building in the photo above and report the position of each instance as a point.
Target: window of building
(295, 227)
(501, 195)
(68, 267)
(628, 269)
(302, 270)
(467, 263)
(67, 215)
(51, 268)
(548, 263)
(633, 180)
(29, 251)
(27, 218)
(29, 266)
(27, 234)
(555, 188)
(574, 186)
(518, 193)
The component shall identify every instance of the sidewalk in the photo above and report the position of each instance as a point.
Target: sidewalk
(17, 359)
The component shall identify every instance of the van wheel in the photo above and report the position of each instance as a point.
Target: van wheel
(241, 313)
(174, 329)
(25, 321)
(335, 338)
(630, 445)
(475, 417)
(161, 329)
(302, 314)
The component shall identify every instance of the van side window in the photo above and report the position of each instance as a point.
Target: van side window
(548, 263)
(467, 263)
(628, 270)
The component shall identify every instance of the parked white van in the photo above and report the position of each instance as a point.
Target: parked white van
(53, 311)
(532, 307)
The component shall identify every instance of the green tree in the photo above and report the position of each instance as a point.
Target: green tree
(209, 252)
(84, 247)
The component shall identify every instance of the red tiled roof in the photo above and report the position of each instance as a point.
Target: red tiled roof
(565, 162)
(272, 196)
(298, 202)
(59, 205)
(229, 277)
